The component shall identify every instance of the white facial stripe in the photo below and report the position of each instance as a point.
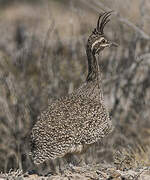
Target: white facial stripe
(104, 45)
(99, 40)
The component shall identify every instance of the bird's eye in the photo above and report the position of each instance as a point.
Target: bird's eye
(103, 41)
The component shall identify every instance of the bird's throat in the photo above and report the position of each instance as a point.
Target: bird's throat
(94, 73)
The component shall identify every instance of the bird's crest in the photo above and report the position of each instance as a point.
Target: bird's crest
(102, 21)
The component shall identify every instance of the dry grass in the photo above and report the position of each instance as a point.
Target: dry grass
(42, 57)
(132, 157)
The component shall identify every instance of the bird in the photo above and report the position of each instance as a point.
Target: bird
(72, 123)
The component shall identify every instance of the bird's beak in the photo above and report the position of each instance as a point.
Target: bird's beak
(113, 44)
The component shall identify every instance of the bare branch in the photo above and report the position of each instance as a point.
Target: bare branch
(98, 6)
(137, 29)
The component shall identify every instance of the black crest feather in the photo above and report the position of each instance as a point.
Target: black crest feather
(102, 21)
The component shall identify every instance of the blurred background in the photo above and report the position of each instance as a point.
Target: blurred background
(42, 57)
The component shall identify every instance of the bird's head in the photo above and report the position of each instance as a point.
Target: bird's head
(97, 40)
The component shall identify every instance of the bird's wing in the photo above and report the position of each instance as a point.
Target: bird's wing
(66, 122)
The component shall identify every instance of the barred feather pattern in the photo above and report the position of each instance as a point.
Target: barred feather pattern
(67, 126)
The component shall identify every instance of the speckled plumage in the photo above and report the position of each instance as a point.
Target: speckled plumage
(73, 122)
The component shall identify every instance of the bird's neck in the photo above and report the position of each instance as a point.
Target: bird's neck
(94, 76)
(94, 73)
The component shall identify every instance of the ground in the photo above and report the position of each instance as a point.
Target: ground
(88, 172)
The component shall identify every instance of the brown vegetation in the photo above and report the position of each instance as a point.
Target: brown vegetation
(42, 56)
